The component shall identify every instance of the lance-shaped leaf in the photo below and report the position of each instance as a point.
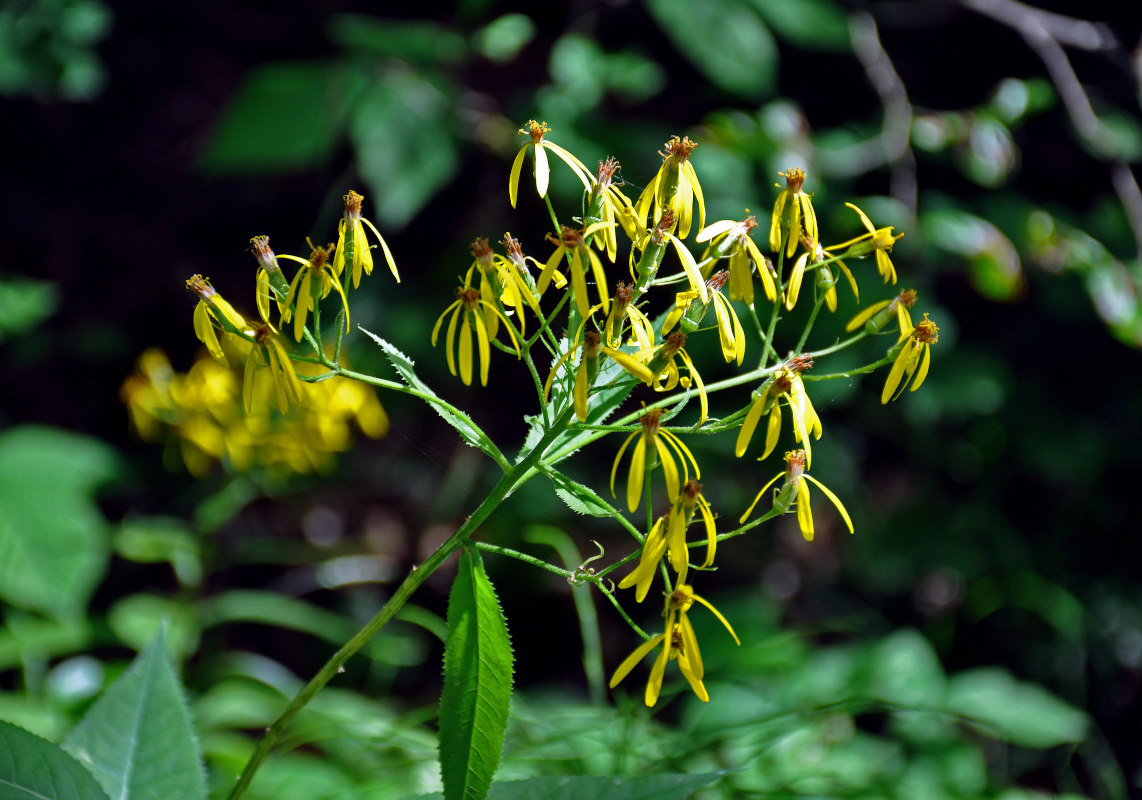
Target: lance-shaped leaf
(31, 767)
(137, 739)
(477, 684)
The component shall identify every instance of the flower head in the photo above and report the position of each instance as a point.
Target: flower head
(609, 205)
(661, 362)
(539, 147)
(731, 239)
(911, 364)
(313, 282)
(471, 312)
(877, 240)
(792, 213)
(572, 245)
(689, 500)
(270, 281)
(662, 447)
(353, 246)
(680, 644)
(796, 490)
(785, 385)
(876, 317)
(588, 368)
(213, 312)
(675, 188)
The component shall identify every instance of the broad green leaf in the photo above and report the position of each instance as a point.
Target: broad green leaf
(138, 739)
(811, 24)
(416, 41)
(726, 41)
(477, 684)
(501, 39)
(906, 671)
(581, 787)
(137, 618)
(53, 538)
(284, 116)
(24, 304)
(147, 540)
(1020, 713)
(32, 768)
(400, 131)
(463, 424)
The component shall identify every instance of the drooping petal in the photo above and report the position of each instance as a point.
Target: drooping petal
(896, 373)
(542, 170)
(450, 338)
(718, 614)
(637, 471)
(922, 373)
(385, 248)
(795, 279)
(804, 511)
(465, 352)
(482, 341)
(513, 179)
(635, 657)
(772, 481)
(749, 425)
(835, 500)
(714, 229)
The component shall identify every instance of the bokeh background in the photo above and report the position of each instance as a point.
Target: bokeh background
(979, 636)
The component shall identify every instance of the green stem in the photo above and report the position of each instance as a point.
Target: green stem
(506, 485)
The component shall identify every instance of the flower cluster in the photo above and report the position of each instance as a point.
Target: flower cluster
(201, 416)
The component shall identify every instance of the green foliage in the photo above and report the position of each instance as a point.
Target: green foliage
(54, 539)
(477, 684)
(649, 787)
(31, 767)
(48, 48)
(727, 41)
(137, 739)
(25, 304)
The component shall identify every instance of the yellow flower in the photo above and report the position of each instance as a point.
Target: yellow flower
(660, 361)
(795, 489)
(653, 548)
(912, 362)
(470, 311)
(572, 243)
(800, 211)
(211, 312)
(514, 258)
(501, 282)
(878, 240)
(659, 443)
(675, 188)
(270, 280)
(786, 385)
(623, 311)
(539, 147)
(682, 646)
(268, 352)
(731, 239)
(589, 368)
(876, 316)
(353, 245)
(681, 513)
(315, 280)
(609, 205)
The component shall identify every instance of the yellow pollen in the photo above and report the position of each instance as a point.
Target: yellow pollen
(536, 130)
(680, 149)
(353, 203)
(926, 331)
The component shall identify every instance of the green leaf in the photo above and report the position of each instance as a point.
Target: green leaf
(148, 540)
(284, 116)
(53, 538)
(137, 739)
(501, 39)
(405, 152)
(811, 24)
(580, 787)
(725, 40)
(1020, 713)
(477, 684)
(25, 304)
(32, 768)
(579, 498)
(416, 41)
(463, 424)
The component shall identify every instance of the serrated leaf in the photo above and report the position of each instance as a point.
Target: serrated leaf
(137, 739)
(580, 787)
(1020, 713)
(53, 538)
(32, 768)
(463, 424)
(726, 41)
(477, 684)
(579, 498)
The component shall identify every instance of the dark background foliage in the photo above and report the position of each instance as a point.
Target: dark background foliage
(993, 507)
